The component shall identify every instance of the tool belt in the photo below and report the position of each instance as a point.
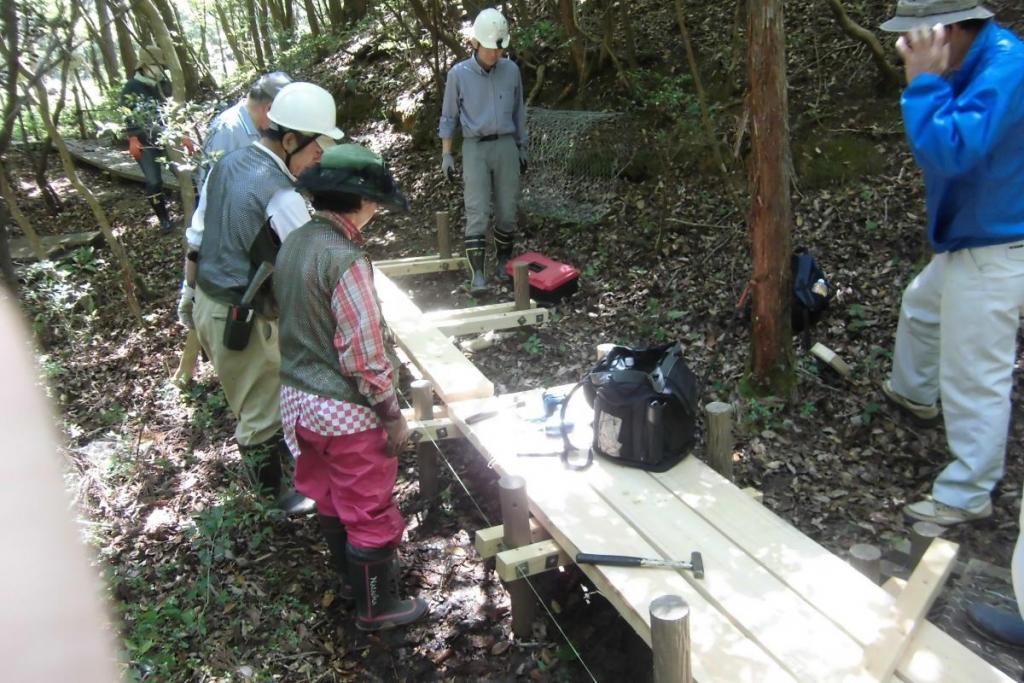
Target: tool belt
(645, 408)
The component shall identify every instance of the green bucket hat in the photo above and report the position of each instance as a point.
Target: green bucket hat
(353, 169)
(911, 14)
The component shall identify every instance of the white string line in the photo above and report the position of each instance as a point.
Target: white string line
(543, 603)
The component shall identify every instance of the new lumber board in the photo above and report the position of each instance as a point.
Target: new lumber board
(471, 311)
(848, 597)
(420, 265)
(527, 560)
(491, 541)
(575, 515)
(114, 161)
(802, 639)
(455, 378)
(492, 321)
(912, 605)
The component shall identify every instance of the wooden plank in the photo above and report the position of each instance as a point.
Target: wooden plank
(419, 265)
(468, 312)
(828, 583)
(912, 605)
(573, 513)
(536, 558)
(894, 585)
(493, 321)
(21, 250)
(116, 162)
(436, 429)
(490, 541)
(769, 612)
(455, 378)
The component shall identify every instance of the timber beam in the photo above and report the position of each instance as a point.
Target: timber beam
(418, 265)
(528, 560)
(491, 541)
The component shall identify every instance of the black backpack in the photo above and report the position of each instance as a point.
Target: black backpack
(811, 291)
(645, 408)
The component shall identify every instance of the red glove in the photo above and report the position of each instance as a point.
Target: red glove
(135, 148)
(189, 146)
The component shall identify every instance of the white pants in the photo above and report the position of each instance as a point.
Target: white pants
(956, 340)
(1017, 565)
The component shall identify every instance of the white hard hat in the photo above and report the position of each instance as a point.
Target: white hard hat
(305, 108)
(491, 29)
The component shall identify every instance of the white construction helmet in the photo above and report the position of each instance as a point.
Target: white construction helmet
(305, 108)
(491, 29)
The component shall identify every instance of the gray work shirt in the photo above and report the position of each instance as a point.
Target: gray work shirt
(484, 102)
(231, 129)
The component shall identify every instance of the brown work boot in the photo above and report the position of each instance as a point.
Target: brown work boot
(374, 578)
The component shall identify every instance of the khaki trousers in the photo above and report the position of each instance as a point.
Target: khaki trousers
(250, 377)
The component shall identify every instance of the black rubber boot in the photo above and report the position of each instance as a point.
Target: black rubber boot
(503, 244)
(374, 574)
(263, 457)
(477, 279)
(159, 205)
(336, 537)
(292, 502)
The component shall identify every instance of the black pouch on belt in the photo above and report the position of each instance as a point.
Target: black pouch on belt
(238, 327)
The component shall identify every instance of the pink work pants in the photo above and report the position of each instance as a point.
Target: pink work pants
(352, 477)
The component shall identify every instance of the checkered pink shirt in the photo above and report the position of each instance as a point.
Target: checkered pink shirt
(361, 356)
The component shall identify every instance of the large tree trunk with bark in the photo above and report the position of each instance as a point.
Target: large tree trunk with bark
(191, 78)
(107, 47)
(314, 22)
(254, 34)
(577, 47)
(770, 212)
(125, 45)
(336, 14)
(10, 277)
(229, 34)
(355, 10)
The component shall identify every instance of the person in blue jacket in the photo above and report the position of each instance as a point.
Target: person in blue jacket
(963, 111)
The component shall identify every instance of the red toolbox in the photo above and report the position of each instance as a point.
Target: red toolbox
(550, 280)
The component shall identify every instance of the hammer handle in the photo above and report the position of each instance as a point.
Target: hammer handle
(614, 560)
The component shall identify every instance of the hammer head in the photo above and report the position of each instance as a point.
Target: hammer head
(697, 562)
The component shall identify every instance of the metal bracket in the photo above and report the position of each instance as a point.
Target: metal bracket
(521, 320)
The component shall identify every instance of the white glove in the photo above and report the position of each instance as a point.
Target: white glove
(448, 165)
(185, 304)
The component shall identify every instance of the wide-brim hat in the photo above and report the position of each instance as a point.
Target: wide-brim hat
(353, 169)
(912, 14)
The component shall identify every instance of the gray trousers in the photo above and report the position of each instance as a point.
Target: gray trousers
(490, 172)
(957, 340)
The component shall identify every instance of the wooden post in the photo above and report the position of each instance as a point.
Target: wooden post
(515, 517)
(521, 278)
(921, 536)
(867, 559)
(444, 239)
(718, 419)
(426, 453)
(670, 639)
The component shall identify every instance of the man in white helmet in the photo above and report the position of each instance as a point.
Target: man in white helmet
(234, 128)
(484, 94)
(249, 206)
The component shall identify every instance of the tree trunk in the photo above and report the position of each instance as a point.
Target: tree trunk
(124, 43)
(314, 23)
(567, 14)
(127, 271)
(20, 218)
(191, 79)
(772, 363)
(355, 10)
(254, 34)
(698, 84)
(163, 39)
(436, 32)
(263, 17)
(336, 14)
(10, 277)
(106, 42)
(229, 35)
(889, 74)
(11, 110)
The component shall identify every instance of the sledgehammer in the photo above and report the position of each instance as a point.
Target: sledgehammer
(696, 563)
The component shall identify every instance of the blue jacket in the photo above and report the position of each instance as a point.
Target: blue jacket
(967, 133)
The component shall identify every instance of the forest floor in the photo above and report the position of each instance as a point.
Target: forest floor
(208, 583)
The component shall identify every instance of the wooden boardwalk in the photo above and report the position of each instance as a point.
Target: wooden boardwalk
(116, 162)
(773, 605)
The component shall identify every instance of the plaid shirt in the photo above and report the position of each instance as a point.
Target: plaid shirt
(362, 356)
